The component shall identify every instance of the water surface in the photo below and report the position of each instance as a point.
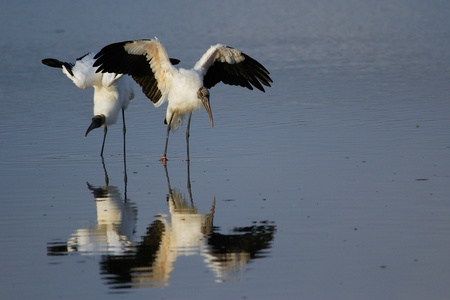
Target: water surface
(334, 184)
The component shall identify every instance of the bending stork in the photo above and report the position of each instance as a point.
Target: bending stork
(112, 92)
(185, 90)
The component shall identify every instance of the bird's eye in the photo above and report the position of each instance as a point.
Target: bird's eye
(202, 92)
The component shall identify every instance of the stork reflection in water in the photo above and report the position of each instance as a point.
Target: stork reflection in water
(116, 224)
(184, 233)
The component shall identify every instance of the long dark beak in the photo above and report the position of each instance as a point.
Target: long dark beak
(97, 121)
(205, 101)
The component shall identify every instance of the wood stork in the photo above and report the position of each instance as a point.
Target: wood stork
(185, 90)
(112, 92)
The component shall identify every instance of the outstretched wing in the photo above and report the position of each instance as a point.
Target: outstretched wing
(82, 72)
(145, 60)
(230, 66)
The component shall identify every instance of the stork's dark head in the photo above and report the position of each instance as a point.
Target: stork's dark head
(203, 95)
(97, 121)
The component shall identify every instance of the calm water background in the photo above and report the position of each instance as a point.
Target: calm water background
(334, 184)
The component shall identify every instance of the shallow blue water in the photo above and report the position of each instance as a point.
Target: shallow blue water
(334, 184)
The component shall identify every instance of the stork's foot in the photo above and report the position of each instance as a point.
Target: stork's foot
(164, 160)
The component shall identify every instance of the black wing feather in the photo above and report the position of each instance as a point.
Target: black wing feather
(248, 73)
(55, 63)
(115, 59)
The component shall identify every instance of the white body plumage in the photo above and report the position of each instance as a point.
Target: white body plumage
(182, 97)
(112, 92)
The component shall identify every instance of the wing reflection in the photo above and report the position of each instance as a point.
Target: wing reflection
(187, 233)
(229, 253)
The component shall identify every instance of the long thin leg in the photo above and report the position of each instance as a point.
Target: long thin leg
(189, 182)
(124, 130)
(106, 172)
(164, 158)
(125, 177)
(187, 135)
(168, 180)
(105, 130)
